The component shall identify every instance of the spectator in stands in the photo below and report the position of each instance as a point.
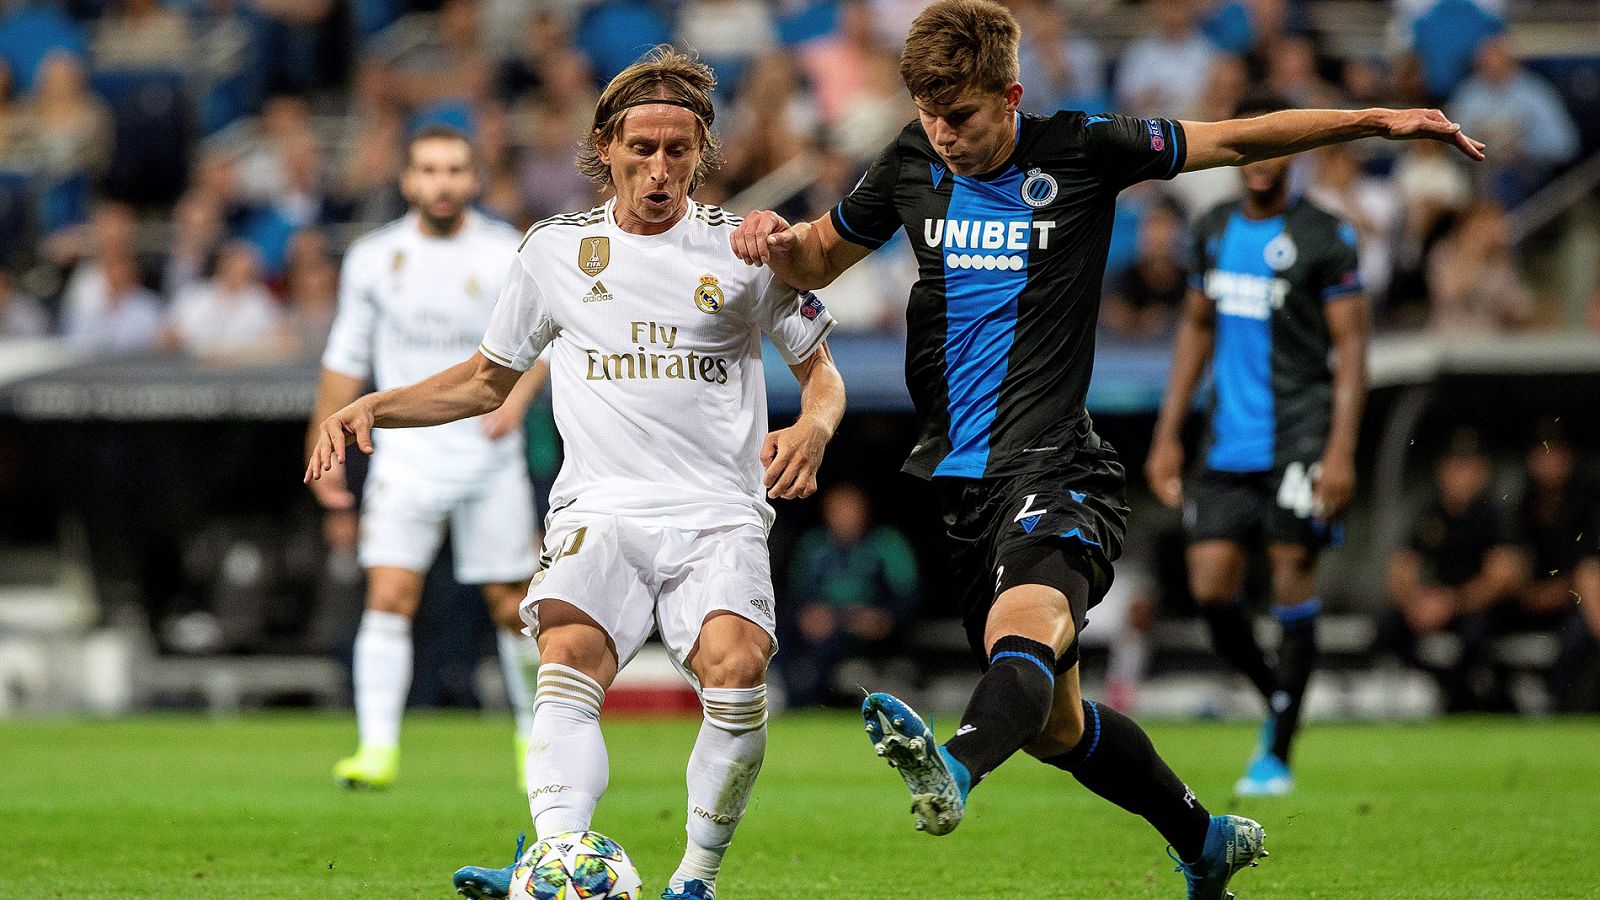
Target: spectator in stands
(1431, 191)
(1444, 36)
(1201, 190)
(232, 315)
(1250, 27)
(850, 72)
(1473, 281)
(69, 127)
(13, 118)
(1163, 74)
(455, 71)
(138, 34)
(1365, 82)
(771, 125)
(1145, 297)
(197, 230)
(729, 35)
(262, 169)
(313, 297)
(1518, 114)
(373, 158)
(522, 72)
(551, 184)
(1460, 562)
(296, 41)
(498, 160)
(854, 584)
(127, 319)
(1558, 509)
(112, 230)
(1339, 186)
(21, 315)
(1578, 667)
(1065, 69)
(1292, 74)
(303, 202)
(31, 31)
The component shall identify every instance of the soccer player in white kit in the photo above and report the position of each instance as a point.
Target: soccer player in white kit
(659, 518)
(415, 296)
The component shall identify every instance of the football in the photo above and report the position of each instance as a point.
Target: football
(573, 865)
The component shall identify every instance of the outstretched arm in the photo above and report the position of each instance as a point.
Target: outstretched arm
(1239, 141)
(792, 455)
(466, 389)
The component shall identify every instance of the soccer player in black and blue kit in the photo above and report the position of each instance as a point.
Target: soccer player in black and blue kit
(1010, 216)
(1275, 297)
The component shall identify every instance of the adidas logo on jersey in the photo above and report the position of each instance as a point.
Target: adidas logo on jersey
(597, 294)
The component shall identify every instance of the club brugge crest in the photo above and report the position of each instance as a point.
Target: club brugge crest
(1280, 253)
(1038, 189)
(594, 254)
(708, 296)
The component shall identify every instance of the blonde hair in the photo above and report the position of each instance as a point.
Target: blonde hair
(957, 45)
(664, 74)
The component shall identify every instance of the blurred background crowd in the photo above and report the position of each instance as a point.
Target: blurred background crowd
(180, 178)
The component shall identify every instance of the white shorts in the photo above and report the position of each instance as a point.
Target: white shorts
(633, 579)
(404, 513)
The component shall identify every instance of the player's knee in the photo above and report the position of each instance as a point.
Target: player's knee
(587, 656)
(740, 665)
(505, 604)
(391, 599)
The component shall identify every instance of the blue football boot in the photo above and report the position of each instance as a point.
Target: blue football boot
(478, 882)
(1232, 843)
(693, 889)
(938, 783)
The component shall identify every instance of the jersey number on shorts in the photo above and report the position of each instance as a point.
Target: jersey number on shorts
(1297, 491)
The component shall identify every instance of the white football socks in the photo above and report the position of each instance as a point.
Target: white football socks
(519, 661)
(381, 672)
(567, 766)
(722, 771)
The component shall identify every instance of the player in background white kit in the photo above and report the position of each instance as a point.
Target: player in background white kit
(415, 296)
(659, 515)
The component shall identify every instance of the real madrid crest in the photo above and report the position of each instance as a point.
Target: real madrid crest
(708, 296)
(594, 254)
(1039, 188)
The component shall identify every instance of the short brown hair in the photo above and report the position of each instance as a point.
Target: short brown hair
(956, 45)
(439, 133)
(664, 74)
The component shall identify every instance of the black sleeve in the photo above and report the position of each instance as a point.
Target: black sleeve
(867, 215)
(1125, 151)
(1199, 249)
(1340, 276)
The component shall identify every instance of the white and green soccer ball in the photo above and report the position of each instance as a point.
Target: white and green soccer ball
(576, 865)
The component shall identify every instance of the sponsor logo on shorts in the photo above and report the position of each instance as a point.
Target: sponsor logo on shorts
(718, 818)
(762, 604)
(1029, 517)
(549, 789)
(966, 729)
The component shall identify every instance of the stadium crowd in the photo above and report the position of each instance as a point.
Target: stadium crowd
(182, 175)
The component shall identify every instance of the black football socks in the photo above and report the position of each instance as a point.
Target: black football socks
(1297, 659)
(1116, 760)
(1009, 707)
(1234, 638)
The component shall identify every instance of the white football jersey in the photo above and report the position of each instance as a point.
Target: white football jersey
(412, 305)
(655, 362)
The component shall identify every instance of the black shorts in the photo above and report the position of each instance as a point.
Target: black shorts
(1037, 528)
(1245, 507)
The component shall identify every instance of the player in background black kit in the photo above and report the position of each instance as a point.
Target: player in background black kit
(1010, 217)
(1275, 297)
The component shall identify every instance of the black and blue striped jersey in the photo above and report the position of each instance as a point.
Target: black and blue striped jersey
(1268, 280)
(1001, 320)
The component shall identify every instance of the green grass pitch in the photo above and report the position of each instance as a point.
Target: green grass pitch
(182, 807)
